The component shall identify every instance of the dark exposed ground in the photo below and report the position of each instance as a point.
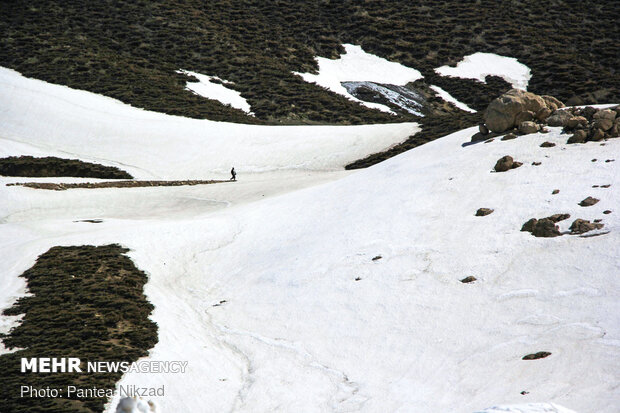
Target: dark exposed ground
(114, 184)
(130, 50)
(85, 302)
(52, 166)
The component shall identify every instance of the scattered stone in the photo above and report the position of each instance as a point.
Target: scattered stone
(609, 160)
(559, 118)
(483, 129)
(581, 226)
(598, 220)
(594, 160)
(579, 136)
(506, 163)
(596, 134)
(90, 221)
(536, 163)
(558, 217)
(547, 144)
(589, 201)
(468, 280)
(605, 114)
(358, 278)
(478, 136)
(525, 392)
(576, 121)
(528, 127)
(594, 186)
(536, 356)
(605, 186)
(552, 103)
(603, 124)
(555, 192)
(509, 136)
(481, 212)
(529, 225)
(607, 211)
(543, 130)
(378, 257)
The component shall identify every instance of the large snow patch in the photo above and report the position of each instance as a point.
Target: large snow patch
(480, 65)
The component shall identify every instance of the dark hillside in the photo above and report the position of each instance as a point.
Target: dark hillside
(130, 50)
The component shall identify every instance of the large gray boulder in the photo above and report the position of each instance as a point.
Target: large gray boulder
(501, 114)
(559, 118)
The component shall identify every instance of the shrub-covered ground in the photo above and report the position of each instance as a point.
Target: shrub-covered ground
(85, 302)
(130, 50)
(52, 166)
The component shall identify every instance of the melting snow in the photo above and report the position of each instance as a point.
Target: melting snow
(205, 87)
(355, 65)
(448, 98)
(397, 95)
(479, 65)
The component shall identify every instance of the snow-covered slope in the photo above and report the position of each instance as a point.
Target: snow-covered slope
(212, 87)
(355, 65)
(69, 123)
(480, 65)
(278, 305)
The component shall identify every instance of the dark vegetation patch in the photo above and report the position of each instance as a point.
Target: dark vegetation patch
(85, 302)
(432, 128)
(52, 166)
(114, 184)
(130, 50)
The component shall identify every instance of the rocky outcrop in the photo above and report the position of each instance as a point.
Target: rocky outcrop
(591, 124)
(580, 226)
(517, 106)
(506, 163)
(521, 112)
(545, 227)
(559, 118)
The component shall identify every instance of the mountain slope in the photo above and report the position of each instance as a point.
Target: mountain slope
(344, 296)
(132, 50)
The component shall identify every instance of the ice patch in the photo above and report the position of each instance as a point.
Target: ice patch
(448, 98)
(480, 65)
(205, 87)
(397, 95)
(355, 65)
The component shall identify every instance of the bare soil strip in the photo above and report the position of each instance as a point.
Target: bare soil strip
(114, 184)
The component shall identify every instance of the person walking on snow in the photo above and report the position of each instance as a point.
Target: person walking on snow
(233, 174)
